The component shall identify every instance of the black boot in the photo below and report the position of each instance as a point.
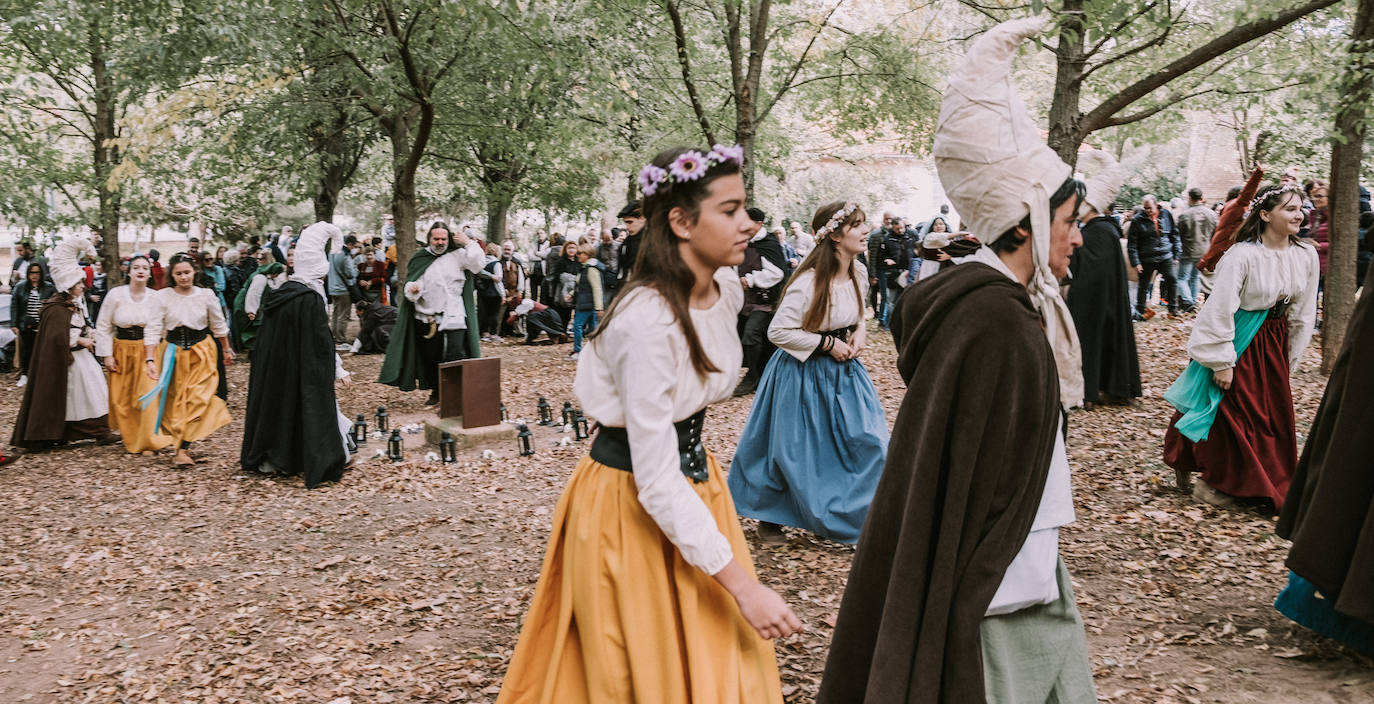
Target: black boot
(746, 386)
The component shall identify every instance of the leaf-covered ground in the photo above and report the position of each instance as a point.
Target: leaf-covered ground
(123, 579)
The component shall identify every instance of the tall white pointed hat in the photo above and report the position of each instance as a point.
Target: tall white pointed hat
(1104, 178)
(64, 261)
(996, 170)
(310, 263)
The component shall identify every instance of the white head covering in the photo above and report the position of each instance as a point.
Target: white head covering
(64, 262)
(311, 263)
(995, 170)
(1104, 177)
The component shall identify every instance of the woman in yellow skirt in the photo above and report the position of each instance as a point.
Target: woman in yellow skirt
(124, 314)
(180, 355)
(647, 592)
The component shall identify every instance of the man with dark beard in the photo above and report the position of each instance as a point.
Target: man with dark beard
(763, 273)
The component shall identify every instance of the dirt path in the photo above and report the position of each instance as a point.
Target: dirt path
(123, 579)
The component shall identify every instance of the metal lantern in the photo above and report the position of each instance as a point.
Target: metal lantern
(545, 412)
(526, 439)
(580, 426)
(504, 415)
(568, 413)
(383, 419)
(448, 448)
(360, 430)
(394, 445)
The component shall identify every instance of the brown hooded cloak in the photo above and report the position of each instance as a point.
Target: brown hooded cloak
(965, 471)
(1329, 512)
(42, 414)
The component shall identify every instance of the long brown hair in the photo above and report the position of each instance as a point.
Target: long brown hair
(825, 260)
(659, 265)
(1269, 197)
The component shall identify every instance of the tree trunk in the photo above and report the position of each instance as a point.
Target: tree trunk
(405, 160)
(339, 157)
(106, 157)
(402, 194)
(498, 211)
(326, 200)
(1344, 203)
(1065, 116)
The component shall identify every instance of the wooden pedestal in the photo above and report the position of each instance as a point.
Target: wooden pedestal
(471, 389)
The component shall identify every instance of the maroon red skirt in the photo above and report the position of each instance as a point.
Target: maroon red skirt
(1252, 448)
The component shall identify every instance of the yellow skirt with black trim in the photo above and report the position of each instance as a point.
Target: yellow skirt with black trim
(619, 616)
(138, 426)
(193, 410)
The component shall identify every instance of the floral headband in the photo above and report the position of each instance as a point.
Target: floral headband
(689, 166)
(834, 222)
(1259, 200)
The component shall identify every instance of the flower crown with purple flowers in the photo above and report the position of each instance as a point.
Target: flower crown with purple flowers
(688, 166)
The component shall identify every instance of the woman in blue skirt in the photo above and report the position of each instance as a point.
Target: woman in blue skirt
(816, 440)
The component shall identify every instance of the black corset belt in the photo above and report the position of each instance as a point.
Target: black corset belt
(612, 447)
(133, 332)
(185, 337)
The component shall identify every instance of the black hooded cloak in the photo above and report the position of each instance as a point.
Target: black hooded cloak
(965, 471)
(292, 418)
(1329, 512)
(1101, 309)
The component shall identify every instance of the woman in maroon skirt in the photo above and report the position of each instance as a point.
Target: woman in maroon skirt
(1235, 421)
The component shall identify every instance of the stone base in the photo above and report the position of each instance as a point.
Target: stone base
(467, 438)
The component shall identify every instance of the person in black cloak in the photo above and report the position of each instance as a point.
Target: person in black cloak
(1329, 511)
(375, 323)
(293, 425)
(1098, 296)
(764, 271)
(957, 593)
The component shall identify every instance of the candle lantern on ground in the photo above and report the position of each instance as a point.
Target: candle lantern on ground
(568, 413)
(545, 412)
(580, 425)
(394, 446)
(383, 419)
(360, 430)
(448, 448)
(505, 416)
(526, 439)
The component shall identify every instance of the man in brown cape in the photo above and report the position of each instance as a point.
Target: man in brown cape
(957, 593)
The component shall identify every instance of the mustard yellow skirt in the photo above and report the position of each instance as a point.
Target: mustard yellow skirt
(138, 426)
(193, 411)
(619, 616)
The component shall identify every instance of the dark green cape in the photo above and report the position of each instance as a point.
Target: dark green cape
(245, 329)
(402, 366)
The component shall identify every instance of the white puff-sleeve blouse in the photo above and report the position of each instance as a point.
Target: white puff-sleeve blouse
(846, 309)
(637, 374)
(197, 310)
(120, 310)
(1252, 276)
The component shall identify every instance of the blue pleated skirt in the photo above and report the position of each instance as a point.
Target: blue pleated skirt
(1301, 602)
(813, 448)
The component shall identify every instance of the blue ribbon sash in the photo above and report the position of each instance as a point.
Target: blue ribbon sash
(1195, 395)
(164, 382)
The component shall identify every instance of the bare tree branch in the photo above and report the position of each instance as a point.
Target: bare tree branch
(680, 38)
(1238, 36)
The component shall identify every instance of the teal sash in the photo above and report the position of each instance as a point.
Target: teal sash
(1194, 393)
(169, 359)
